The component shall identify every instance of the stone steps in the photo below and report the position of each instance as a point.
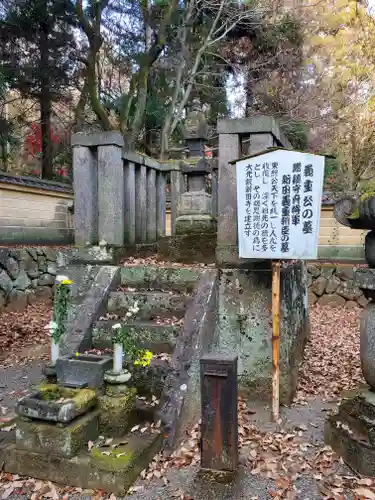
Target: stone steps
(181, 279)
(150, 303)
(158, 337)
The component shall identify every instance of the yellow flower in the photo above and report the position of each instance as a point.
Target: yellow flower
(77, 353)
(144, 359)
(63, 280)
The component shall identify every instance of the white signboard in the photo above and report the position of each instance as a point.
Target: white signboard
(279, 196)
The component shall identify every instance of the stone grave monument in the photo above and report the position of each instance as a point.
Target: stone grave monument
(351, 429)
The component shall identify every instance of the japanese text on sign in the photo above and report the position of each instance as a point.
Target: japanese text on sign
(278, 200)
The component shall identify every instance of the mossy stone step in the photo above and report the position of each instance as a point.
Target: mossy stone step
(172, 278)
(149, 303)
(156, 338)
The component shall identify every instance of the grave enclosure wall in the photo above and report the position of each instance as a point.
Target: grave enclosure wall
(26, 274)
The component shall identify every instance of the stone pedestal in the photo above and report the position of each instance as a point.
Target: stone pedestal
(195, 213)
(115, 409)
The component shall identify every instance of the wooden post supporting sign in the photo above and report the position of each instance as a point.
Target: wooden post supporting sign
(275, 340)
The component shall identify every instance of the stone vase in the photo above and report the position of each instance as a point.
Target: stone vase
(55, 351)
(118, 352)
(367, 349)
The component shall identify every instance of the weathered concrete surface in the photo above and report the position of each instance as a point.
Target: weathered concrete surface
(84, 470)
(149, 303)
(90, 290)
(367, 344)
(351, 432)
(180, 401)
(155, 337)
(48, 438)
(159, 278)
(245, 325)
(189, 248)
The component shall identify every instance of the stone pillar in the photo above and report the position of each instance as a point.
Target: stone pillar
(160, 204)
(129, 202)
(264, 133)
(111, 192)
(141, 204)
(177, 183)
(85, 176)
(151, 205)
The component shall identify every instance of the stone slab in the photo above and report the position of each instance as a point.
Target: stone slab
(155, 337)
(192, 224)
(367, 344)
(46, 404)
(81, 470)
(159, 278)
(90, 290)
(49, 438)
(358, 454)
(83, 369)
(111, 138)
(149, 303)
(365, 278)
(180, 400)
(189, 248)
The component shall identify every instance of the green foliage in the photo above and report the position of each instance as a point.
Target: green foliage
(297, 133)
(60, 311)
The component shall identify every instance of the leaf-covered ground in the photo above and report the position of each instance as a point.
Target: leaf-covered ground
(287, 460)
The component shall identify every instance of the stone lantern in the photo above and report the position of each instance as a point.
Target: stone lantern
(195, 210)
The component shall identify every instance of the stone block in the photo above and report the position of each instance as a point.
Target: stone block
(327, 271)
(365, 278)
(350, 431)
(6, 283)
(22, 281)
(48, 438)
(12, 267)
(187, 224)
(115, 413)
(333, 283)
(312, 298)
(82, 371)
(367, 344)
(332, 300)
(81, 470)
(319, 286)
(345, 272)
(195, 202)
(56, 404)
(313, 270)
(362, 301)
(349, 290)
(351, 304)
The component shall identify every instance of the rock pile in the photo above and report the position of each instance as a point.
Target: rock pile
(333, 285)
(26, 273)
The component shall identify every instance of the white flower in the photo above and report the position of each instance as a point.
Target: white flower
(117, 326)
(183, 387)
(52, 325)
(129, 314)
(60, 279)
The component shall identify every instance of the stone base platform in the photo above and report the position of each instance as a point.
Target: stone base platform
(112, 473)
(351, 432)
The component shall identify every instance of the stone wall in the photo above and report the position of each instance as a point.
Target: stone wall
(25, 275)
(333, 285)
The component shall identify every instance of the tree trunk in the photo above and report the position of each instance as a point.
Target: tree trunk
(45, 101)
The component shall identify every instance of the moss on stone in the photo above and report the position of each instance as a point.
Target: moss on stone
(116, 459)
(81, 397)
(115, 412)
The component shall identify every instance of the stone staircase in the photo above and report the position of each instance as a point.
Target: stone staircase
(162, 295)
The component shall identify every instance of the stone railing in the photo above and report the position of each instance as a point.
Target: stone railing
(334, 285)
(120, 197)
(25, 275)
